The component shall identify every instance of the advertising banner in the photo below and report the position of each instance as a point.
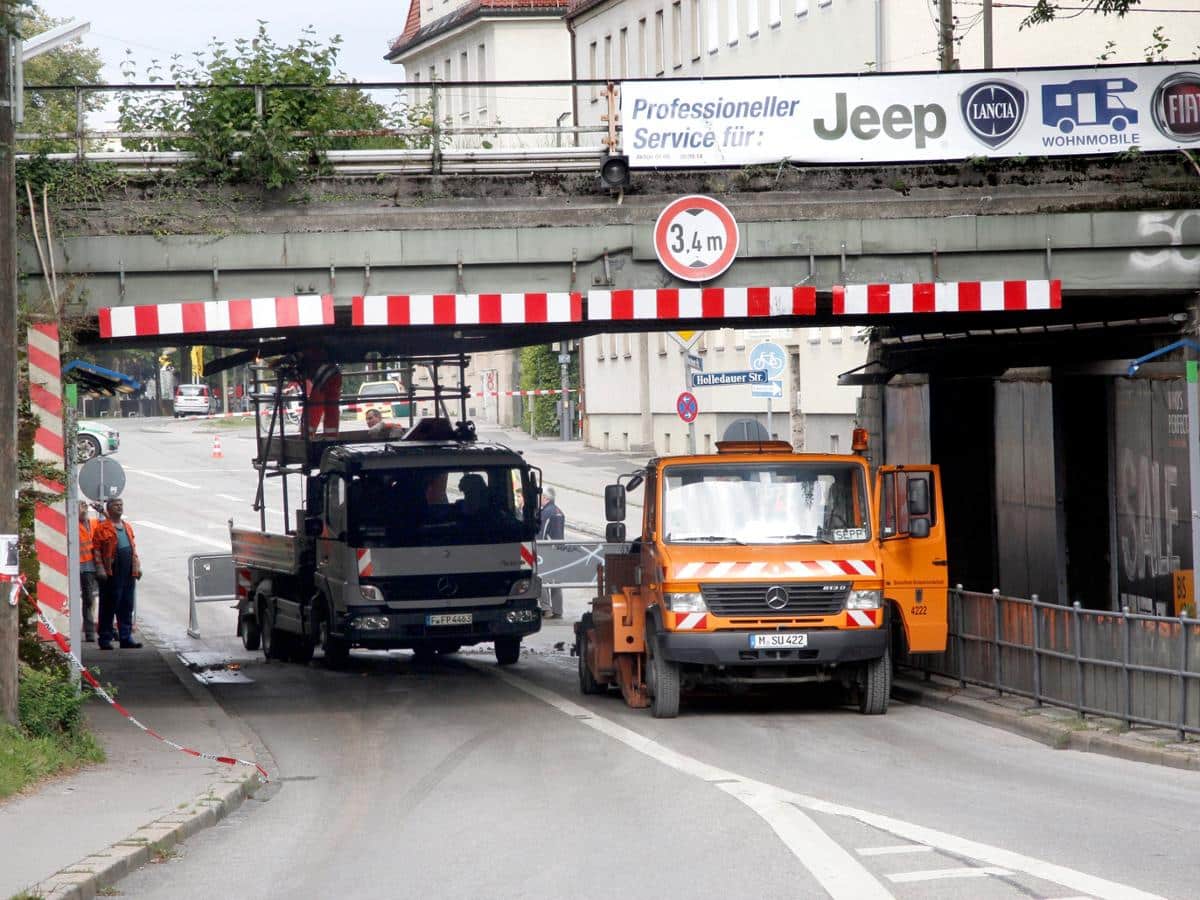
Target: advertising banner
(1153, 503)
(910, 118)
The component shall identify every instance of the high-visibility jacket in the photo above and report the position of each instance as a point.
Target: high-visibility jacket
(104, 540)
(85, 541)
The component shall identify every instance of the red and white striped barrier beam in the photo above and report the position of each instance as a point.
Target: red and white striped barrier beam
(49, 519)
(466, 309)
(946, 296)
(701, 303)
(208, 316)
(64, 647)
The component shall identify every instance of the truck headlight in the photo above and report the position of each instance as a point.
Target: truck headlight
(691, 602)
(370, 593)
(864, 600)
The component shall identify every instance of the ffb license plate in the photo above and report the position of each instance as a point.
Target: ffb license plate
(778, 641)
(450, 619)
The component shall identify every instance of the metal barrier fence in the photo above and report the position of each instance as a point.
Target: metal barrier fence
(210, 580)
(1137, 668)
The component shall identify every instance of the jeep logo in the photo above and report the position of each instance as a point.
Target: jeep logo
(993, 111)
(920, 122)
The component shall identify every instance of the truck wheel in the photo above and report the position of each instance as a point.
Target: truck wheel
(335, 650)
(587, 683)
(876, 688)
(662, 677)
(274, 643)
(249, 633)
(508, 650)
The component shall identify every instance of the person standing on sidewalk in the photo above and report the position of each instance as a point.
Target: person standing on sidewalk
(551, 526)
(87, 574)
(118, 568)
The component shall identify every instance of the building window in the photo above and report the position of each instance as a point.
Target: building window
(834, 443)
(739, 340)
(835, 334)
(608, 57)
(801, 8)
(623, 50)
(447, 75)
(752, 18)
(464, 68)
(612, 346)
(714, 25)
(627, 345)
(824, 2)
(660, 39)
(733, 29)
(593, 92)
(814, 335)
(481, 74)
(600, 347)
(774, 13)
(641, 60)
(662, 343)
(677, 34)
(694, 31)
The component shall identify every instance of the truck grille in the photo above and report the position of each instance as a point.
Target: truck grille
(802, 598)
(446, 587)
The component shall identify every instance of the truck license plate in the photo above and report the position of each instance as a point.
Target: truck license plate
(777, 641)
(450, 619)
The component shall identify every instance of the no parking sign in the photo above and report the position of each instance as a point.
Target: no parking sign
(687, 407)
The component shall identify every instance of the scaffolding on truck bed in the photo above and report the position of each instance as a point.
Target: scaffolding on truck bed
(280, 394)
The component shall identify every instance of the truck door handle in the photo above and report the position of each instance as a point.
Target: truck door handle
(939, 562)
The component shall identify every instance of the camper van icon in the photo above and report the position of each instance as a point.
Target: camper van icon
(1088, 101)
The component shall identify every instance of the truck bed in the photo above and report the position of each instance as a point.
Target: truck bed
(294, 450)
(264, 550)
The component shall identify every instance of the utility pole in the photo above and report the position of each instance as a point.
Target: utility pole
(987, 34)
(946, 34)
(9, 615)
(564, 407)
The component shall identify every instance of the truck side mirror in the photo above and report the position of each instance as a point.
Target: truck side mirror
(634, 483)
(918, 497)
(614, 533)
(918, 528)
(614, 503)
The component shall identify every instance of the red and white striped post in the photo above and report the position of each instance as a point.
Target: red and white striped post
(50, 519)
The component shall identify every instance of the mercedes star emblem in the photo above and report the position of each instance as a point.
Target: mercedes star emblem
(777, 598)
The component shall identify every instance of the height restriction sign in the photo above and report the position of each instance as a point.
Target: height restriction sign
(696, 238)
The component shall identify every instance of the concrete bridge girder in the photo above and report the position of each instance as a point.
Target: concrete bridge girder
(1128, 251)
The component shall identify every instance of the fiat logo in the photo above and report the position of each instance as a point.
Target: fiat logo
(777, 598)
(1176, 107)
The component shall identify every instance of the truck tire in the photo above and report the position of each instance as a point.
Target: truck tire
(587, 682)
(335, 650)
(662, 676)
(875, 691)
(508, 650)
(275, 644)
(249, 633)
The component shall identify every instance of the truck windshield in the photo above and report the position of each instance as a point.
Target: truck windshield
(428, 507)
(776, 503)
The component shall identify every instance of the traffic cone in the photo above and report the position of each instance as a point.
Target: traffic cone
(216, 448)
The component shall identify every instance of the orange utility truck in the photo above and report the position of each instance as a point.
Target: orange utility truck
(761, 565)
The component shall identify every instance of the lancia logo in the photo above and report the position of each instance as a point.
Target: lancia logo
(447, 587)
(993, 111)
(777, 597)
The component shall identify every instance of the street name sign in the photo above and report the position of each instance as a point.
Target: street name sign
(728, 379)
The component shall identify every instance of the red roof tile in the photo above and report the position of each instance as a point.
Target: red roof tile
(414, 33)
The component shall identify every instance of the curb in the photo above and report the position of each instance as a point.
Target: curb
(1037, 728)
(85, 878)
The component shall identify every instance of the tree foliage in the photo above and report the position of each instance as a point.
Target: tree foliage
(50, 112)
(236, 141)
(1048, 10)
(540, 371)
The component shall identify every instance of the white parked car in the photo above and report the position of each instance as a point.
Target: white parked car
(194, 400)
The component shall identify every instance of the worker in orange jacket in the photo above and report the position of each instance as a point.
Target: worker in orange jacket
(87, 574)
(118, 568)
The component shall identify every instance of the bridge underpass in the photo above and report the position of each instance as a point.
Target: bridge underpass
(1063, 476)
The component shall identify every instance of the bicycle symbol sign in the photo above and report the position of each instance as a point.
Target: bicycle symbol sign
(769, 358)
(687, 407)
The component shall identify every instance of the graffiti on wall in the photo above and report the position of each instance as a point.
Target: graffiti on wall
(1180, 231)
(1153, 505)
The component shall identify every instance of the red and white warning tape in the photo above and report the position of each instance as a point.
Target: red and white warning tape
(64, 647)
(540, 392)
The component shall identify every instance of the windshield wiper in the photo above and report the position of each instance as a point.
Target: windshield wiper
(705, 538)
(815, 538)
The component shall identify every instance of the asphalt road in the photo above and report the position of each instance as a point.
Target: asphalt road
(458, 779)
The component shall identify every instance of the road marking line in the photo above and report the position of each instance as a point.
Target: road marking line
(231, 498)
(189, 535)
(1083, 883)
(943, 874)
(895, 848)
(174, 481)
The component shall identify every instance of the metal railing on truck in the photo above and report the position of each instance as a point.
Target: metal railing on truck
(1139, 669)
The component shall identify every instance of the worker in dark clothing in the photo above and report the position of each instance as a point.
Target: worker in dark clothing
(118, 569)
(551, 525)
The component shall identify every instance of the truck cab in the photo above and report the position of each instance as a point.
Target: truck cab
(760, 564)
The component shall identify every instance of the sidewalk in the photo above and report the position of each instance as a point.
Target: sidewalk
(96, 825)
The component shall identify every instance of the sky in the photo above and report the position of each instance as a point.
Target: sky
(159, 28)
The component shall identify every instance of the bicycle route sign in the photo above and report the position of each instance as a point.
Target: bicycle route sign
(696, 238)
